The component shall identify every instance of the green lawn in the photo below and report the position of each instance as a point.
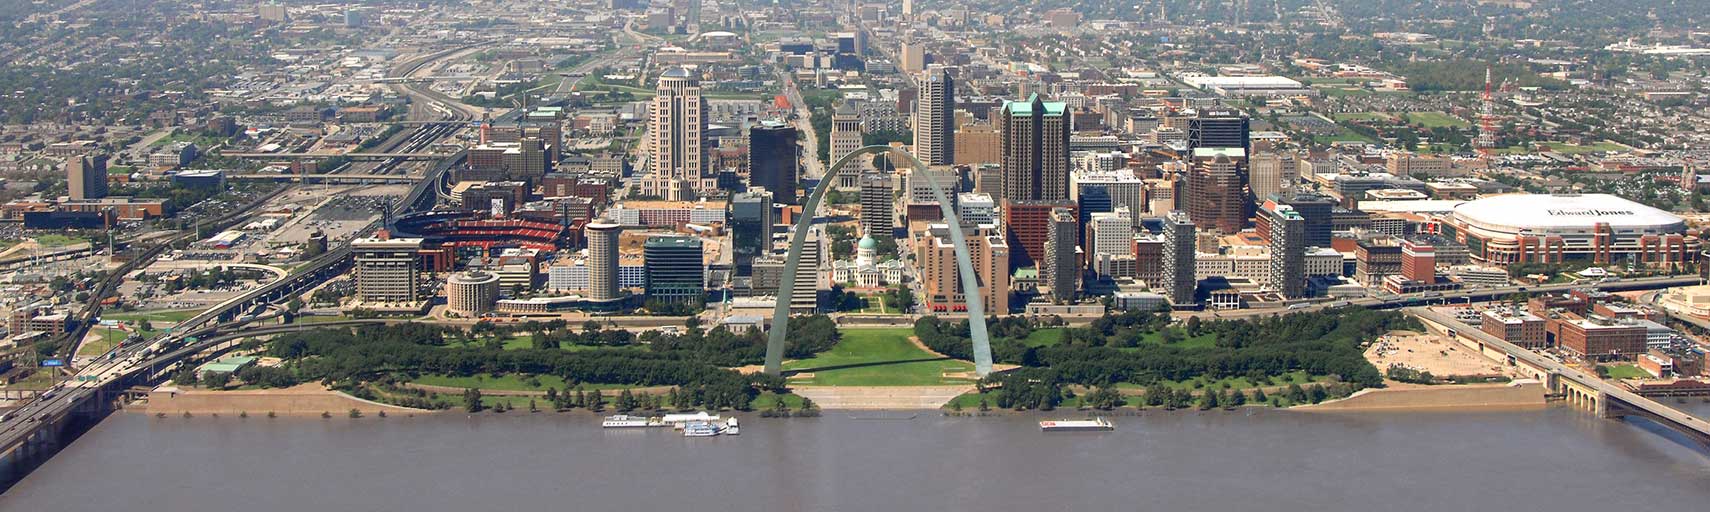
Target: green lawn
(1201, 341)
(508, 382)
(159, 318)
(1043, 337)
(58, 240)
(108, 338)
(1625, 371)
(1437, 120)
(1561, 147)
(877, 357)
(1361, 116)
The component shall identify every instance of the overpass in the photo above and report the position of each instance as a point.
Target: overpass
(34, 432)
(1577, 388)
(355, 179)
(357, 155)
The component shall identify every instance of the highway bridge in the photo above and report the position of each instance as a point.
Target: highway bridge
(341, 179)
(37, 430)
(1576, 387)
(355, 155)
(34, 432)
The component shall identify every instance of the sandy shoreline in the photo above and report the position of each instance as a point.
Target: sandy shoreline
(1519, 395)
(300, 400)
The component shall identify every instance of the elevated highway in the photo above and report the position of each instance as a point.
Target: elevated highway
(35, 431)
(358, 155)
(1576, 387)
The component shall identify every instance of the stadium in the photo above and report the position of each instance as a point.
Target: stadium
(1595, 228)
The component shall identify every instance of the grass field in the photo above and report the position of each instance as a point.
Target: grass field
(508, 382)
(1561, 147)
(104, 340)
(1624, 371)
(1437, 120)
(1361, 116)
(878, 357)
(57, 240)
(158, 318)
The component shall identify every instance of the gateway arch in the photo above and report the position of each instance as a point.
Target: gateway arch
(970, 280)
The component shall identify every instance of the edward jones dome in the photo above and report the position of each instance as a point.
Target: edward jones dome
(1540, 228)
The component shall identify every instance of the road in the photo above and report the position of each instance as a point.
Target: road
(1537, 360)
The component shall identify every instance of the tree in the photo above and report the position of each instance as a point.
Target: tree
(1259, 396)
(1104, 399)
(625, 401)
(1157, 394)
(1236, 398)
(596, 401)
(472, 400)
(216, 380)
(1295, 394)
(1317, 393)
(1208, 400)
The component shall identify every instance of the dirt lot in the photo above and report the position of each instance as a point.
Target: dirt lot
(1429, 353)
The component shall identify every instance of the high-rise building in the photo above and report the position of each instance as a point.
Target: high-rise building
(1268, 171)
(1288, 250)
(603, 282)
(1218, 129)
(1034, 150)
(675, 131)
(941, 281)
(876, 205)
(1117, 188)
(1110, 233)
(471, 293)
(1062, 270)
(385, 269)
(976, 144)
(751, 222)
(1217, 189)
(1180, 281)
(845, 132)
(935, 120)
(773, 159)
(1419, 262)
(86, 177)
(675, 271)
(1317, 210)
(1028, 226)
(913, 56)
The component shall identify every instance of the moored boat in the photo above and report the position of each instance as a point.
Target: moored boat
(1094, 424)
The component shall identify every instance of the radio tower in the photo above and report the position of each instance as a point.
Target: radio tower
(1486, 120)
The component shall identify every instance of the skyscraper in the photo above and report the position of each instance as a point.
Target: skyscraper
(603, 260)
(773, 159)
(1288, 250)
(1062, 271)
(674, 137)
(385, 269)
(941, 282)
(751, 222)
(1218, 129)
(1180, 280)
(845, 131)
(1317, 210)
(1217, 189)
(935, 120)
(876, 200)
(86, 177)
(1269, 169)
(675, 271)
(1034, 150)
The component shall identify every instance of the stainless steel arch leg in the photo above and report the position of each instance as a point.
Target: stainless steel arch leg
(970, 281)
